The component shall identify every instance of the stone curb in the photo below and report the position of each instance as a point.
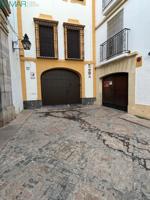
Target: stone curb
(9, 131)
(136, 120)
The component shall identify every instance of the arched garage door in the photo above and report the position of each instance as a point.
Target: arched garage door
(115, 91)
(60, 86)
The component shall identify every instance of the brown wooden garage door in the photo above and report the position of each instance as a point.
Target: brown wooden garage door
(60, 86)
(115, 91)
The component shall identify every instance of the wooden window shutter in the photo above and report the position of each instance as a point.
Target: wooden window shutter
(46, 38)
(74, 41)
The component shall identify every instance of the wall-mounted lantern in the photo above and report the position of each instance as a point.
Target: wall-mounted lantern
(25, 43)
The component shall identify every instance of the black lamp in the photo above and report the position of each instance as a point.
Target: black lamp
(26, 43)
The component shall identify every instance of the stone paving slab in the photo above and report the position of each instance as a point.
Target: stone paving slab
(21, 118)
(76, 153)
(9, 131)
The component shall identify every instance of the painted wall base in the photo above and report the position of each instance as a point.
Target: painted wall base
(38, 103)
(88, 101)
(32, 104)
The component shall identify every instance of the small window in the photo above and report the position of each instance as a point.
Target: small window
(46, 38)
(115, 25)
(74, 41)
(115, 36)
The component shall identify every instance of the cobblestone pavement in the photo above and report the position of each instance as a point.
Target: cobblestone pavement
(76, 153)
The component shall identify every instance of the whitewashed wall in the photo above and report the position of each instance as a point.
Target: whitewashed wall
(88, 81)
(61, 11)
(138, 21)
(15, 62)
(31, 81)
(137, 18)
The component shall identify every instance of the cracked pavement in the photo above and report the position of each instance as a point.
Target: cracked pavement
(76, 153)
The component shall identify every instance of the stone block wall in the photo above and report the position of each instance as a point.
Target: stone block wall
(7, 111)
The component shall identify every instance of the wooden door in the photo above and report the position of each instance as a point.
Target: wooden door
(60, 86)
(115, 91)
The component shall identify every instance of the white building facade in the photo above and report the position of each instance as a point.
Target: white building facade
(123, 59)
(59, 69)
(10, 76)
(15, 60)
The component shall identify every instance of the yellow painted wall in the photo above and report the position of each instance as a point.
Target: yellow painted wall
(94, 44)
(47, 64)
(44, 65)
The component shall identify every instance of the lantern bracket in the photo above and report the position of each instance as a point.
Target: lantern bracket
(25, 43)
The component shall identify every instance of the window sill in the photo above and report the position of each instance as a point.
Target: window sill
(43, 57)
(79, 2)
(74, 59)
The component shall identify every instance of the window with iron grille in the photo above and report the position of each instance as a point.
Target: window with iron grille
(46, 38)
(74, 41)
